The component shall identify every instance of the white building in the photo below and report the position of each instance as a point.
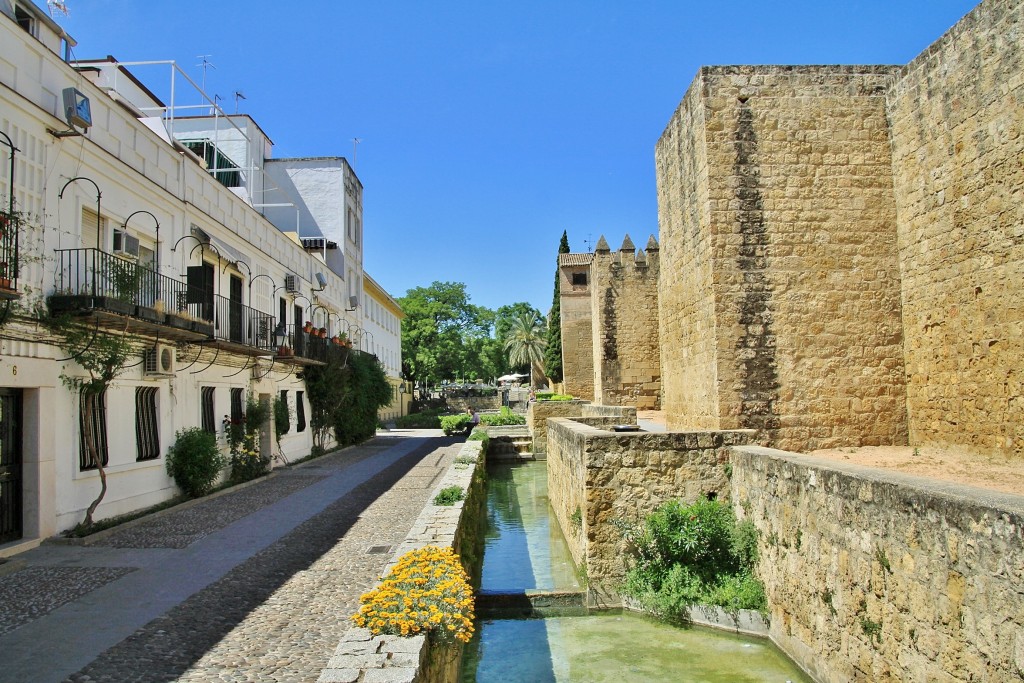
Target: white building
(381, 335)
(229, 254)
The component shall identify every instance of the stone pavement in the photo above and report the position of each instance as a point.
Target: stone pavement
(253, 585)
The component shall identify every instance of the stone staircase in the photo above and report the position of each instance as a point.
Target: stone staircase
(512, 442)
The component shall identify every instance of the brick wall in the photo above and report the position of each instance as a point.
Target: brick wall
(957, 114)
(780, 294)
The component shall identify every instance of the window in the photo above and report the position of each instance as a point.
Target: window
(300, 412)
(284, 402)
(237, 405)
(579, 279)
(209, 417)
(25, 20)
(147, 430)
(92, 430)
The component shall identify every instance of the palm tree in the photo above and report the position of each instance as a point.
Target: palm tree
(525, 344)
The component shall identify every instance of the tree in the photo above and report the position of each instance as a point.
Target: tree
(553, 352)
(103, 356)
(525, 345)
(432, 331)
(503, 324)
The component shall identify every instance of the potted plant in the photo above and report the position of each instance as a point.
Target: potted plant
(284, 350)
(323, 333)
(5, 281)
(308, 327)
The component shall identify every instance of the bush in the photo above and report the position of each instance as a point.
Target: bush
(426, 591)
(429, 419)
(693, 554)
(455, 423)
(505, 417)
(194, 461)
(552, 396)
(450, 495)
(480, 435)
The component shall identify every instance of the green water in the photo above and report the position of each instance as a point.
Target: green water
(619, 648)
(524, 549)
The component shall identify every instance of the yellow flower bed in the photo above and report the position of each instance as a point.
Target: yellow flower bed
(427, 590)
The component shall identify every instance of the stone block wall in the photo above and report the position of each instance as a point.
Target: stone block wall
(577, 325)
(537, 419)
(874, 576)
(780, 305)
(623, 415)
(609, 476)
(686, 301)
(957, 117)
(624, 301)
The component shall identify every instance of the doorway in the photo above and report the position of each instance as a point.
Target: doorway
(10, 466)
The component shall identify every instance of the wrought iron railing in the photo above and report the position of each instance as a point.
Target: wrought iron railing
(126, 284)
(236, 322)
(9, 224)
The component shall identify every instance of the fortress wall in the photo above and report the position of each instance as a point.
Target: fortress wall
(957, 122)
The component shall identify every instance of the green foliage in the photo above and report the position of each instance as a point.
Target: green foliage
(125, 277)
(693, 554)
(480, 435)
(450, 495)
(282, 418)
(525, 344)
(455, 423)
(246, 459)
(553, 350)
(551, 396)
(194, 461)
(346, 399)
(506, 417)
(576, 519)
(432, 331)
(428, 419)
(503, 325)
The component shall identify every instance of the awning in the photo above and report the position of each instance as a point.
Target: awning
(227, 252)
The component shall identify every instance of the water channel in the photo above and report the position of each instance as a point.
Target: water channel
(524, 550)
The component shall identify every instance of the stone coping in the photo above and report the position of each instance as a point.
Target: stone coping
(962, 493)
(361, 657)
(600, 427)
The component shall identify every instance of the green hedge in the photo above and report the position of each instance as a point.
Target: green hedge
(552, 396)
(505, 417)
(428, 419)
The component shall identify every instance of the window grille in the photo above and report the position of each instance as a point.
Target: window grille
(147, 430)
(209, 416)
(300, 412)
(237, 406)
(97, 428)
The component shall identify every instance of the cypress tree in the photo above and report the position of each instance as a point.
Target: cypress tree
(553, 352)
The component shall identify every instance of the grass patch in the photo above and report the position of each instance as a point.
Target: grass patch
(450, 495)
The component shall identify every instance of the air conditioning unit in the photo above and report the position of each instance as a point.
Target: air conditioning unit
(291, 284)
(125, 244)
(159, 361)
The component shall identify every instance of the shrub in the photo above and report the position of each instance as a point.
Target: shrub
(426, 420)
(194, 461)
(455, 423)
(693, 554)
(480, 435)
(450, 495)
(282, 418)
(427, 591)
(505, 417)
(552, 396)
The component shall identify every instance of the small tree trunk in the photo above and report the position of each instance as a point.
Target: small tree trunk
(95, 459)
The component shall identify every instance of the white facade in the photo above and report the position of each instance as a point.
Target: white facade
(381, 335)
(152, 188)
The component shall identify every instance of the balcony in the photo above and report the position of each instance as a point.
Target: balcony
(297, 347)
(118, 293)
(8, 256)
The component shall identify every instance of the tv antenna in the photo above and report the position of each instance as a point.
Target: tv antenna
(57, 7)
(586, 242)
(355, 150)
(238, 96)
(205, 64)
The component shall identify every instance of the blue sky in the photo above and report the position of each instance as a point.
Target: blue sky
(488, 128)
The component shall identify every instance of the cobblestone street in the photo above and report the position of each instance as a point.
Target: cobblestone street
(253, 585)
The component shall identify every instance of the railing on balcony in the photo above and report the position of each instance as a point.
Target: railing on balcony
(91, 272)
(235, 322)
(122, 286)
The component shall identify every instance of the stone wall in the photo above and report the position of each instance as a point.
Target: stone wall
(537, 418)
(780, 295)
(460, 404)
(875, 576)
(608, 476)
(577, 325)
(624, 301)
(957, 115)
(623, 415)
